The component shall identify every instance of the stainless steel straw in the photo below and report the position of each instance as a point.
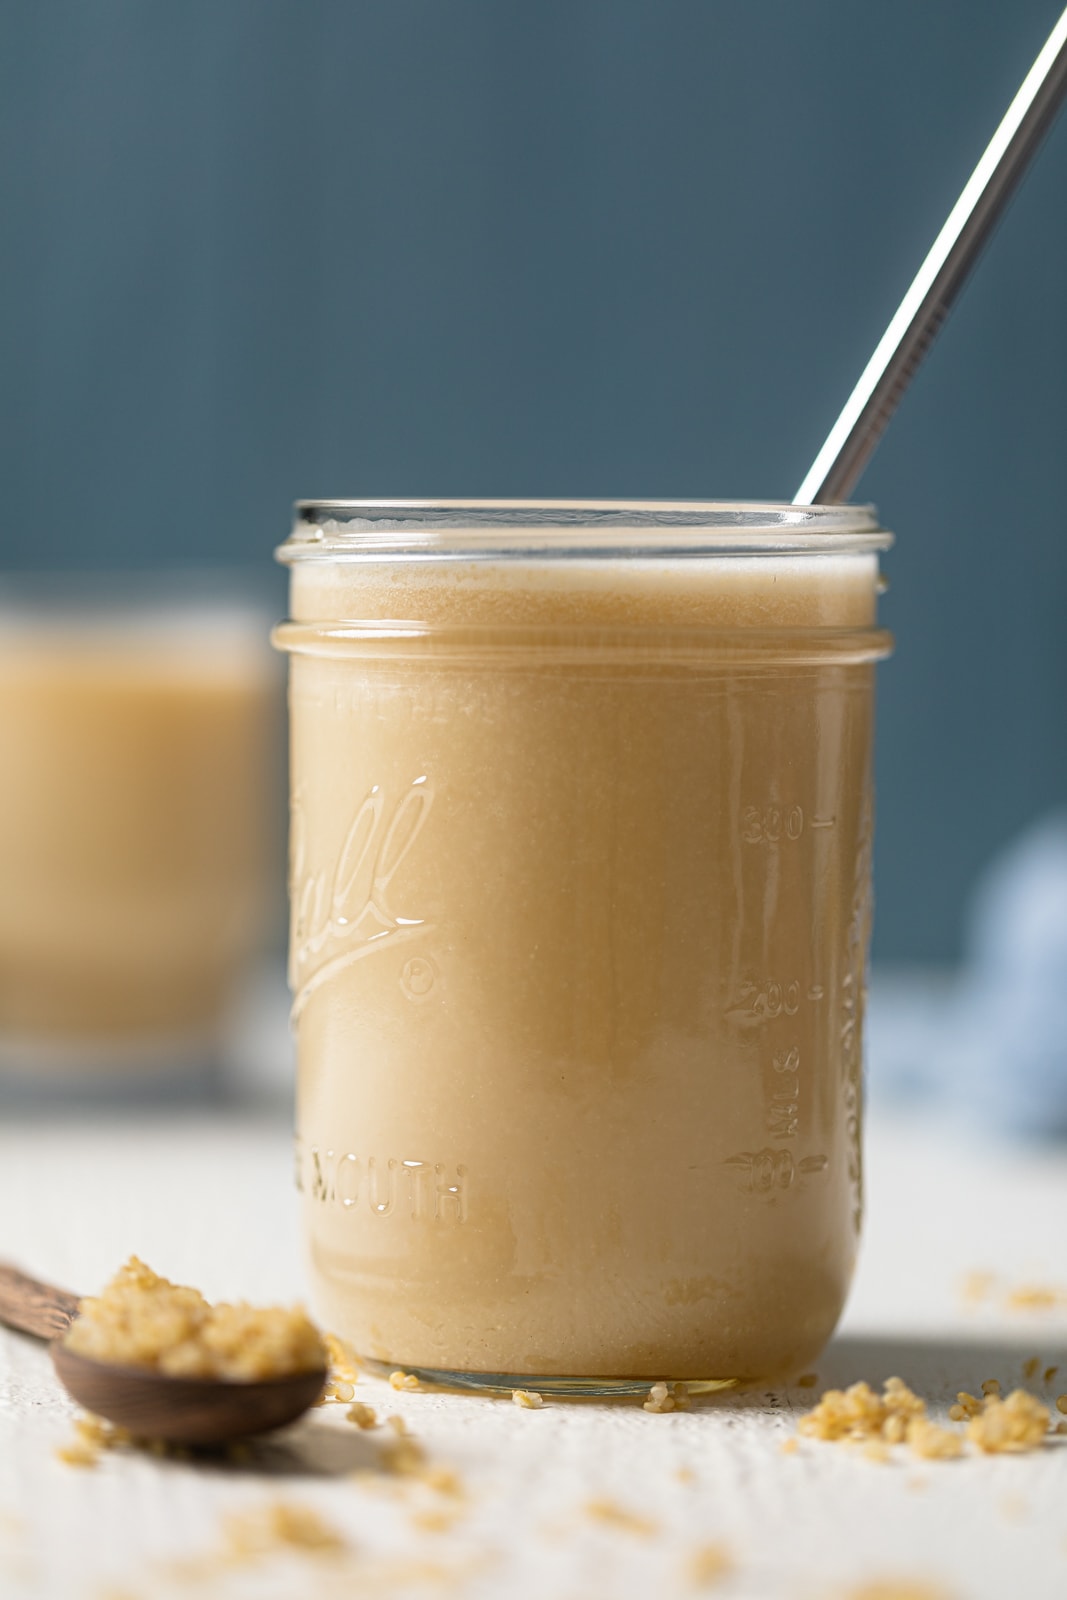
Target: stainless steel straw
(852, 439)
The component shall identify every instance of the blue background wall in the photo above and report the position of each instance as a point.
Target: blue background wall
(260, 249)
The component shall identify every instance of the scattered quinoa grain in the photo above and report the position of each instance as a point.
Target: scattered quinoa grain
(404, 1380)
(994, 1425)
(143, 1320)
(857, 1413)
(709, 1564)
(1061, 1402)
(1033, 1297)
(343, 1363)
(404, 1458)
(436, 1519)
(79, 1453)
(281, 1525)
(875, 1450)
(444, 1480)
(362, 1415)
(1009, 1426)
(610, 1512)
(931, 1442)
(93, 1429)
(895, 1429)
(898, 1589)
(789, 1447)
(1030, 1368)
(402, 1455)
(976, 1285)
(527, 1399)
(898, 1397)
(659, 1399)
(1048, 1374)
(93, 1435)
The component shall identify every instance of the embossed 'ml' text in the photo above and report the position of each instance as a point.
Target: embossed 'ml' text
(382, 1186)
(342, 912)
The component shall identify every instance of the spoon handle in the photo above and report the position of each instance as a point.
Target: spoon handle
(35, 1307)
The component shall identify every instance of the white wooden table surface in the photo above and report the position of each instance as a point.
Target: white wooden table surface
(205, 1196)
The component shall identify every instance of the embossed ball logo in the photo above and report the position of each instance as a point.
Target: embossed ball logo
(343, 911)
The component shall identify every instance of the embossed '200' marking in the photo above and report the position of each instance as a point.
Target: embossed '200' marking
(348, 910)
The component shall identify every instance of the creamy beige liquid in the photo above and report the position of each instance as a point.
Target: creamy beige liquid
(581, 906)
(134, 835)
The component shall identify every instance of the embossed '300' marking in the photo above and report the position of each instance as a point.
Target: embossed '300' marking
(342, 915)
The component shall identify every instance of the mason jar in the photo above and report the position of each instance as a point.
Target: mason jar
(581, 898)
(139, 746)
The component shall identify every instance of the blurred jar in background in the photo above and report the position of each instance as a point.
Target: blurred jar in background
(139, 729)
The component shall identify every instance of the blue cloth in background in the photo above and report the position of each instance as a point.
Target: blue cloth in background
(991, 1045)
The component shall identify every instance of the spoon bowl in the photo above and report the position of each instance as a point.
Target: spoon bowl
(188, 1411)
(152, 1405)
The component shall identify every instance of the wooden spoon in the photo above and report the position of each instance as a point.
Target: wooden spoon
(152, 1405)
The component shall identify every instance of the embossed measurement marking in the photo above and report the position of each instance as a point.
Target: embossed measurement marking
(771, 824)
(382, 1185)
(764, 1170)
(772, 1001)
(783, 1121)
(764, 999)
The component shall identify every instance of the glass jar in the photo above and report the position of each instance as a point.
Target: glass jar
(139, 723)
(580, 885)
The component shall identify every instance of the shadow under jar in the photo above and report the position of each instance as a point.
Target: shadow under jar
(580, 878)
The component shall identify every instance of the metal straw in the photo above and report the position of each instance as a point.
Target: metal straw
(852, 439)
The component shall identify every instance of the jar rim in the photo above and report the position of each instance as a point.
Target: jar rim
(484, 529)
